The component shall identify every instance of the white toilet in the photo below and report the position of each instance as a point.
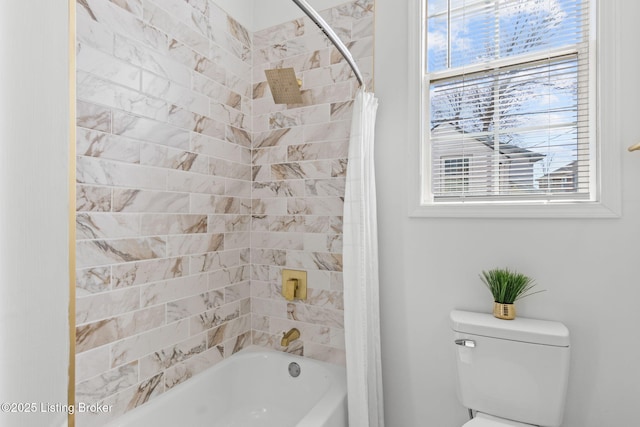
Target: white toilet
(511, 372)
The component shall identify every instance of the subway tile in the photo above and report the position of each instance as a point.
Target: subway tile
(93, 116)
(107, 67)
(93, 199)
(90, 253)
(171, 290)
(92, 335)
(106, 225)
(138, 346)
(93, 143)
(137, 273)
(108, 304)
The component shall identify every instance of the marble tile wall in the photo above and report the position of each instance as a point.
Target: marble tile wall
(299, 163)
(163, 196)
(194, 190)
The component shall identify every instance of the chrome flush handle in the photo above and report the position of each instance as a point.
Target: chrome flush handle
(466, 343)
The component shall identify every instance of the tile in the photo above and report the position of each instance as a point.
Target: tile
(98, 90)
(103, 172)
(171, 290)
(98, 144)
(196, 364)
(137, 273)
(90, 253)
(167, 357)
(107, 67)
(149, 130)
(92, 335)
(108, 383)
(94, 307)
(93, 280)
(138, 346)
(93, 116)
(155, 224)
(106, 225)
(93, 199)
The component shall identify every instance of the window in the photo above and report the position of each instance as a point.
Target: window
(508, 100)
(510, 77)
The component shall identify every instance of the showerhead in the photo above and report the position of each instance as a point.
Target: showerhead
(284, 85)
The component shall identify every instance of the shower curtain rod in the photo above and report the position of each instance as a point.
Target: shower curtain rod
(326, 29)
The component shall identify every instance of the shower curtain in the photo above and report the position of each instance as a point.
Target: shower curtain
(360, 271)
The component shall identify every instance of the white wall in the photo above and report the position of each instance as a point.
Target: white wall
(34, 141)
(430, 266)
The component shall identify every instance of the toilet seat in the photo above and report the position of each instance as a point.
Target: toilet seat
(484, 420)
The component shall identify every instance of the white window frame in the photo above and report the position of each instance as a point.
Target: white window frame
(606, 203)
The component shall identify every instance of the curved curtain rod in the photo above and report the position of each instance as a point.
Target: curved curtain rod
(326, 29)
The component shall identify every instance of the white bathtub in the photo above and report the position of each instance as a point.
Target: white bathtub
(252, 388)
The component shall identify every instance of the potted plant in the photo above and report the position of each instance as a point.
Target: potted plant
(507, 287)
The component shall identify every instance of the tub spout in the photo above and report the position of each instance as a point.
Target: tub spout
(293, 334)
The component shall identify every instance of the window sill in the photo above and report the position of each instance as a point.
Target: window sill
(557, 210)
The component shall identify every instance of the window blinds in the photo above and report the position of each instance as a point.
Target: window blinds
(509, 99)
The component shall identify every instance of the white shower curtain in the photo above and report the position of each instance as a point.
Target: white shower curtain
(360, 271)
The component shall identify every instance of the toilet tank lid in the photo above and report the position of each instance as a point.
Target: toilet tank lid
(533, 331)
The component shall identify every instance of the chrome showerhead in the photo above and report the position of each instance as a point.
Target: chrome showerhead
(284, 85)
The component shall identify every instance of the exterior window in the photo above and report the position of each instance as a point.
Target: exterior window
(508, 96)
(456, 175)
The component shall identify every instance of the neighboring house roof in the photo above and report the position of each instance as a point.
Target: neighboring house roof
(567, 170)
(507, 150)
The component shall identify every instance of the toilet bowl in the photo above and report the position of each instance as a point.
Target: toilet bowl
(485, 420)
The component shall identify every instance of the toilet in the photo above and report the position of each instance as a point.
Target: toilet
(511, 372)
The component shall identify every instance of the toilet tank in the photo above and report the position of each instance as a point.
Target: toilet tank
(515, 369)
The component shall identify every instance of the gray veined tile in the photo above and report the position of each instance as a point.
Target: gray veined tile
(175, 93)
(315, 206)
(173, 289)
(194, 305)
(194, 244)
(149, 130)
(91, 253)
(106, 225)
(137, 346)
(122, 22)
(92, 116)
(195, 183)
(152, 60)
(93, 199)
(285, 31)
(98, 144)
(93, 280)
(146, 390)
(172, 158)
(92, 335)
(93, 307)
(100, 91)
(213, 261)
(166, 357)
(93, 33)
(136, 273)
(334, 187)
(318, 151)
(194, 365)
(150, 201)
(162, 224)
(212, 318)
(108, 383)
(291, 188)
(286, 136)
(107, 67)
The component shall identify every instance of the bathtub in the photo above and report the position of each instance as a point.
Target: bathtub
(252, 388)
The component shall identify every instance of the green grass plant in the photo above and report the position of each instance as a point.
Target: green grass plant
(508, 286)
